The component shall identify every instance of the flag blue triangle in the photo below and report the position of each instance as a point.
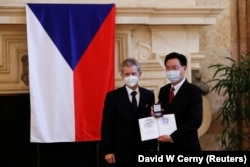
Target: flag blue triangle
(71, 26)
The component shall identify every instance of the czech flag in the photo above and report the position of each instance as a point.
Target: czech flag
(71, 68)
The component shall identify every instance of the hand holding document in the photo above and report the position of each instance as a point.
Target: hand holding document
(152, 128)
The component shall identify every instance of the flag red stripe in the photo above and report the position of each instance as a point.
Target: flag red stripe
(93, 77)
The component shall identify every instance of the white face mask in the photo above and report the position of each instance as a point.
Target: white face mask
(173, 76)
(131, 80)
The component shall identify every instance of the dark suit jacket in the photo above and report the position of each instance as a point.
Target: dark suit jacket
(120, 127)
(187, 107)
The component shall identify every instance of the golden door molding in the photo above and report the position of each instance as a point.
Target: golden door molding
(13, 62)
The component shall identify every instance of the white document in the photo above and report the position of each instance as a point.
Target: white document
(152, 128)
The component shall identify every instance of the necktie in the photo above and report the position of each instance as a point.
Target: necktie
(134, 101)
(171, 95)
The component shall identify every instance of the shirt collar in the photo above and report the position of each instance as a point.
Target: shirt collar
(177, 86)
(131, 90)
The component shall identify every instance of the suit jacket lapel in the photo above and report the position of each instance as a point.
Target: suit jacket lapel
(180, 91)
(142, 100)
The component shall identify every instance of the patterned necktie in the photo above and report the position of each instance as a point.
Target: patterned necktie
(171, 95)
(134, 101)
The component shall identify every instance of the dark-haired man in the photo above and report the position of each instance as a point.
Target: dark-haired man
(185, 104)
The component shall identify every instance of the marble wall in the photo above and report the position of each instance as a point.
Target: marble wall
(216, 42)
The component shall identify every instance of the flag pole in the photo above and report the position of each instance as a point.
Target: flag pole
(97, 154)
(38, 154)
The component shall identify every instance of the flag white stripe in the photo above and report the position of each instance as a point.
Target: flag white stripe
(51, 87)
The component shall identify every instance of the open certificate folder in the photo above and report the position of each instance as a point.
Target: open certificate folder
(152, 128)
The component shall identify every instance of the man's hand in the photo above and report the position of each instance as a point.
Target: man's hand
(165, 138)
(110, 158)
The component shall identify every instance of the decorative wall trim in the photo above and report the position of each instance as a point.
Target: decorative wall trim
(13, 47)
(12, 15)
(195, 15)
